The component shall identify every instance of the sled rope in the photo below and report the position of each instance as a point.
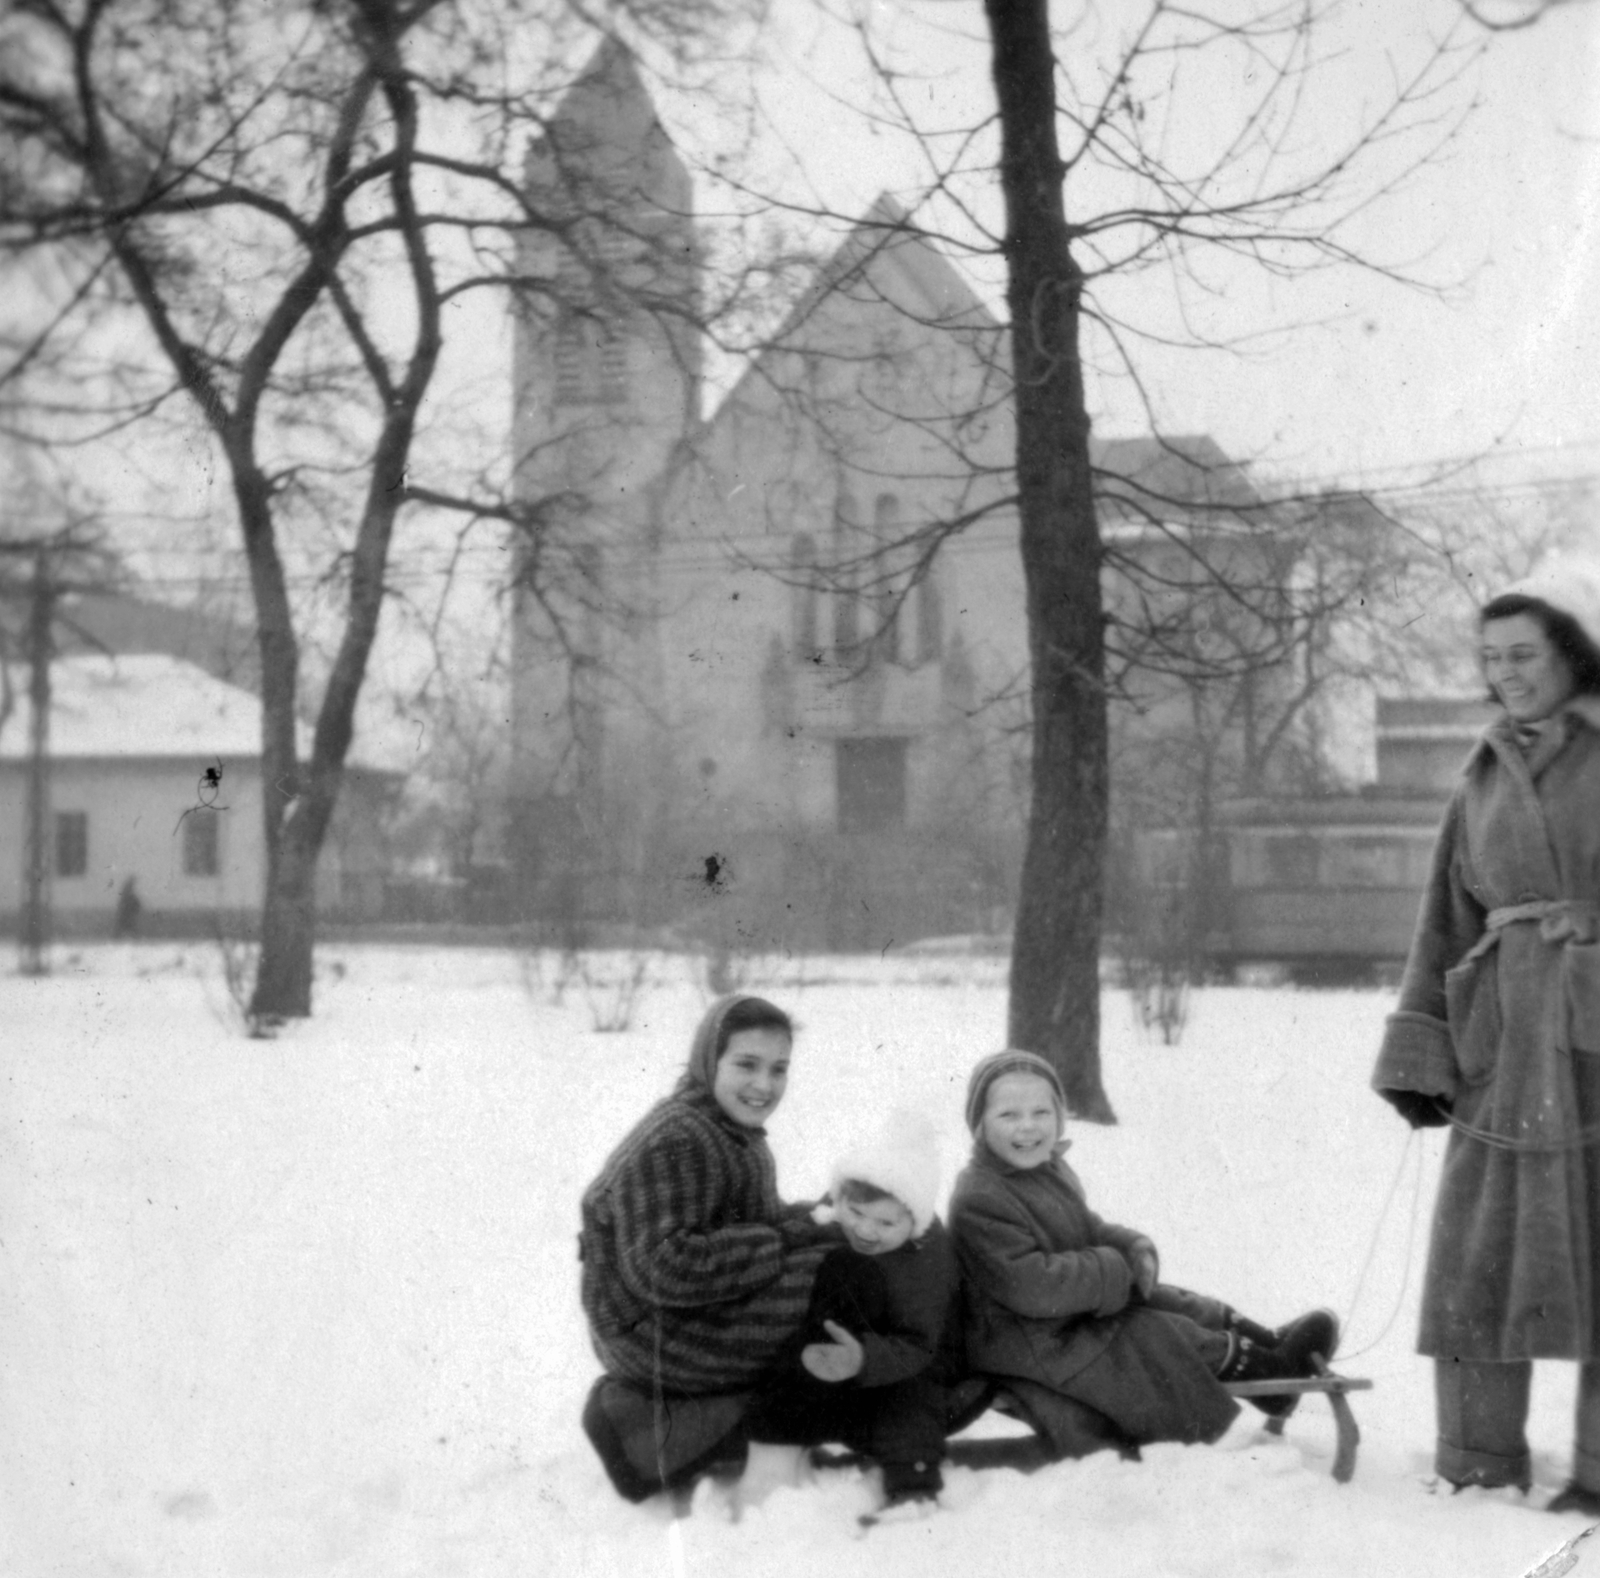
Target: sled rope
(1582, 1140)
(1411, 1146)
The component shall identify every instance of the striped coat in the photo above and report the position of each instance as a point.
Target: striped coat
(694, 1273)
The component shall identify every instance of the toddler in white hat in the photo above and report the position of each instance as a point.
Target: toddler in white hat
(873, 1366)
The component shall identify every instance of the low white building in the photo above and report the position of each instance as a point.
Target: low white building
(155, 775)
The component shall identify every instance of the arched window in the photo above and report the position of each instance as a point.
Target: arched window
(846, 622)
(803, 568)
(846, 599)
(886, 516)
(889, 643)
(930, 617)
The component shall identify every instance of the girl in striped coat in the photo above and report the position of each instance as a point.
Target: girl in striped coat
(695, 1274)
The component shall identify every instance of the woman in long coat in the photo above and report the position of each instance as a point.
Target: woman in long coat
(1497, 1033)
(694, 1273)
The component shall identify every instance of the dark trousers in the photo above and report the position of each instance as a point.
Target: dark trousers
(1483, 1415)
(649, 1442)
(903, 1423)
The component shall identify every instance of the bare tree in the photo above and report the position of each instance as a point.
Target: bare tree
(1115, 164)
(272, 218)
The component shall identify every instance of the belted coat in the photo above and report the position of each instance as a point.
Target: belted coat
(1498, 1022)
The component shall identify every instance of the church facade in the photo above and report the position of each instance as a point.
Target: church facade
(769, 665)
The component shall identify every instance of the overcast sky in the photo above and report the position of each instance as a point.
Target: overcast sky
(1379, 377)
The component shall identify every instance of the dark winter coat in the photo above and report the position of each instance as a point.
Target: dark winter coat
(1499, 1022)
(914, 1325)
(694, 1273)
(1050, 1299)
(903, 1308)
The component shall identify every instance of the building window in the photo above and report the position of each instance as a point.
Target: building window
(200, 843)
(889, 625)
(803, 569)
(613, 373)
(871, 784)
(72, 843)
(570, 356)
(1292, 861)
(591, 361)
(846, 623)
(930, 619)
(1365, 862)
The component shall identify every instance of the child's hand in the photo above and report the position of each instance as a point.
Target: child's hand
(1146, 1269)
(838, 1360)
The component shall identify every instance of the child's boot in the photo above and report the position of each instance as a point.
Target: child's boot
(910, 1492)
(1291, 1357)
(1314, 1333)
(918, 1481)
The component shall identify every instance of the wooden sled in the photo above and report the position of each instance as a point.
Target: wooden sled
(1334, 1388)
(1027, 1452)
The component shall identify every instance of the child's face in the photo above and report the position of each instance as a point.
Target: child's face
(751, 1075)
(1020, 1121)
(874, 1227)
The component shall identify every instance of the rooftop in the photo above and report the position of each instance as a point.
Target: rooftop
(146, 705)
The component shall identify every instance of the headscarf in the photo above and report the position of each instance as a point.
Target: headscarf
(1011, 1061)
(708, 1043)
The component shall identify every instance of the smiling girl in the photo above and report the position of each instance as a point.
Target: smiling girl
(1068, 1308)
(1497, 1034)
(694, 1273)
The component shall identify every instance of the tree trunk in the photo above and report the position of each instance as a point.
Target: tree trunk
(288, 932)
(1055, 960)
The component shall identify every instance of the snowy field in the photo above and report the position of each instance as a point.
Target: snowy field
(309, 1306)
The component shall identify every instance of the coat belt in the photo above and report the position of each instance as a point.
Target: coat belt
(1560, 920)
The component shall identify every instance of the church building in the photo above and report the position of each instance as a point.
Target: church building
(769, 663)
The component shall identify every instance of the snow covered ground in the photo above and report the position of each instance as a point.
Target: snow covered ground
(309, 1306)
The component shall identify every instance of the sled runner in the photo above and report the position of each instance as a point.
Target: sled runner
(1333, 1387)
(1029, 1452)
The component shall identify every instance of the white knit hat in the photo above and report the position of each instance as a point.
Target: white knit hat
(1569, 583)
(902, 1159)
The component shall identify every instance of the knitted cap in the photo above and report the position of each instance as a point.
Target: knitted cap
(1571, 585)
(902, 1159)
(1009, 1062)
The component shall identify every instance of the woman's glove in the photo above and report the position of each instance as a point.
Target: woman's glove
(1420, 1111)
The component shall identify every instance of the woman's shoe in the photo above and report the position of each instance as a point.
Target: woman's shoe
(1576, 1498)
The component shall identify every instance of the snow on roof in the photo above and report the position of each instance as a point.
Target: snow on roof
(144, 705)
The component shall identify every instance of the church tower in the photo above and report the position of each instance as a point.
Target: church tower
(607, 357)
(606, 391)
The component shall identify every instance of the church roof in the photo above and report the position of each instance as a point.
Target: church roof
(605, 145)
(883, 250)
(1184, 469)
(609, 82)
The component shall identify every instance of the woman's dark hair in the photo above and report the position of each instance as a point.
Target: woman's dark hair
(1562, 630)
(750, 1013)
